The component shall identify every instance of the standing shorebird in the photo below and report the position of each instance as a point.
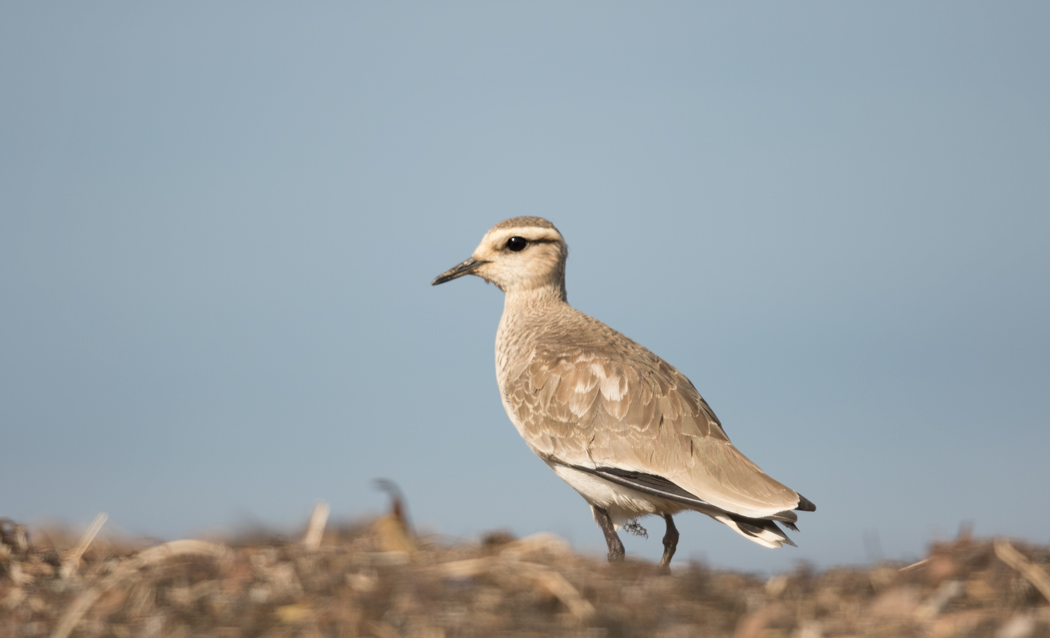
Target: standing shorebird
(619, 424)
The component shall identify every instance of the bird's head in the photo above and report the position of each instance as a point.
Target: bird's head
(518, 255)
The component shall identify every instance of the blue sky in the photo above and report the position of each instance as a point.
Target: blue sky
(218, 225)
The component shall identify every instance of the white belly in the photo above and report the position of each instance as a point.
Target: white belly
(622, 503)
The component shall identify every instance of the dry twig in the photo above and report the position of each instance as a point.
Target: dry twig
(315, 529)
(915, 565)
(1006, 553)
(72, 559)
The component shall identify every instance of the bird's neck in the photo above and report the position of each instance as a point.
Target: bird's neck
(544, 295)
(525, 313)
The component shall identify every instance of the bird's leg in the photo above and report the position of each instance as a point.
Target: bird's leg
(670, 544)
(616, 551)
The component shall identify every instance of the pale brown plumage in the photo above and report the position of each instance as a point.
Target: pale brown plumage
(617, 422)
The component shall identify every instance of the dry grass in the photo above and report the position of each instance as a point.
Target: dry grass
(375, 579)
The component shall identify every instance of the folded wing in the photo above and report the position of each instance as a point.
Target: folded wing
(593, 410)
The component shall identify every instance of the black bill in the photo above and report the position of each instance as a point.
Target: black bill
(465, 268)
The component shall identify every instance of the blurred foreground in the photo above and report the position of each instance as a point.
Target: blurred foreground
(376, 579)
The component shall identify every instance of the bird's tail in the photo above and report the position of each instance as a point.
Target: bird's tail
(763, 531)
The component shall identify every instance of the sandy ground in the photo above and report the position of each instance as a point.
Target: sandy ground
(376, 579)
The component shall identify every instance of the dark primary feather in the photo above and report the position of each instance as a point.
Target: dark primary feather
(659, 486)
(805, 505)
(647, 484)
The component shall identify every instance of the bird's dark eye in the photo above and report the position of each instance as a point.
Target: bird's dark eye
(517, 244)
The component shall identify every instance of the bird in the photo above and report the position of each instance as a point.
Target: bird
(620, 425)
